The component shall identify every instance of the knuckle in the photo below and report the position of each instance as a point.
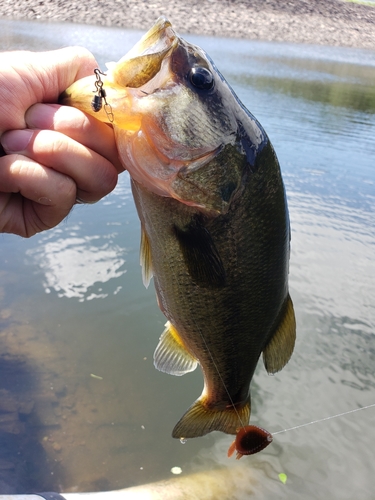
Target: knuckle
(66, 189)
(50, 146)
(111, 179)
(103, 181)
(83, 53)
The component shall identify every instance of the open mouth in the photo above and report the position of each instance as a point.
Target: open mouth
(157, 39)
(144, 60)
(138, 67)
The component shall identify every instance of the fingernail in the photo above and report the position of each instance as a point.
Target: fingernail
(16, 141)
(44, 200)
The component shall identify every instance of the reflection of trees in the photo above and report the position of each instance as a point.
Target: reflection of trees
(348, 95)
(347, 85)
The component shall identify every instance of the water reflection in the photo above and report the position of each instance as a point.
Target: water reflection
(114, 431)
(334, 245)
(340, 84)
(27, 412)
(78, 267)
(349, 94)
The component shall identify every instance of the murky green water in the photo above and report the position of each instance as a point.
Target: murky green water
(73, 304)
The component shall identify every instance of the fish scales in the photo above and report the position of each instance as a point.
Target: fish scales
(206, 315)
(215, 228)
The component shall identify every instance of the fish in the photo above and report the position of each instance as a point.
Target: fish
(215, 230)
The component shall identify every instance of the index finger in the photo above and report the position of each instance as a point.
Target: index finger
(31, 77)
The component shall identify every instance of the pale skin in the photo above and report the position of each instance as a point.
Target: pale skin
(50, 155)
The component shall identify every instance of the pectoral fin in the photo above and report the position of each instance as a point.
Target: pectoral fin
(145, 258)
(171, 356)
(200, 255)
(280, 348)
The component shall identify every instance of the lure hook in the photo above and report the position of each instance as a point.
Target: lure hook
(97, 100)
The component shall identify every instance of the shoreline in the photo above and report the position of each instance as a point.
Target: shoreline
(318, 22)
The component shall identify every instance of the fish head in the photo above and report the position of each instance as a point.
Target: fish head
(174, 118)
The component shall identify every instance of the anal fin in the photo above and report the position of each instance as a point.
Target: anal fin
(171, 356)
(279, 349)
(200, 419)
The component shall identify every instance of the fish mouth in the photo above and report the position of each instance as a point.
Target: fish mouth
(143, 62)
(123, 80)
(139, 96)
(158, 38)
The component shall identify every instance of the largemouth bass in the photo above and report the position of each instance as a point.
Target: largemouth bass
(215, 228)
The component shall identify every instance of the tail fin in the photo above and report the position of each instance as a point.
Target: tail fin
(200, 420)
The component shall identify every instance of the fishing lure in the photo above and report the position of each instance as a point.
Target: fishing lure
(97, 100)
(249, 440)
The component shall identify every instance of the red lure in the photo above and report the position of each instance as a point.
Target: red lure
(249, 440)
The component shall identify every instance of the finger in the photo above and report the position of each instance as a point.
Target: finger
(77, 125)
(94, 175)
(31, 77)
(33, 197)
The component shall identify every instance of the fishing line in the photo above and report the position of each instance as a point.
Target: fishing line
(221, 378)
(323, 419)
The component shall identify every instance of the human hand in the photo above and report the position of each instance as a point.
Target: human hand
(55, 154)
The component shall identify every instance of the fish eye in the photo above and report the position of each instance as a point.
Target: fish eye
(201, 78)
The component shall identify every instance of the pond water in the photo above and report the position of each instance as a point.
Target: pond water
(82, 407)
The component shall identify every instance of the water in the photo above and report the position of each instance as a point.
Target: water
(82, 407)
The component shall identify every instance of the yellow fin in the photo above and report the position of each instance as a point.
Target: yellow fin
(200, 420)
(145, 259)
(171, 355)
(280, 348)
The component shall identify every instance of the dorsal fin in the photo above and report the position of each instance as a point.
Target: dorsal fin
(171, 355)
(280, 348)
(145, 258)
